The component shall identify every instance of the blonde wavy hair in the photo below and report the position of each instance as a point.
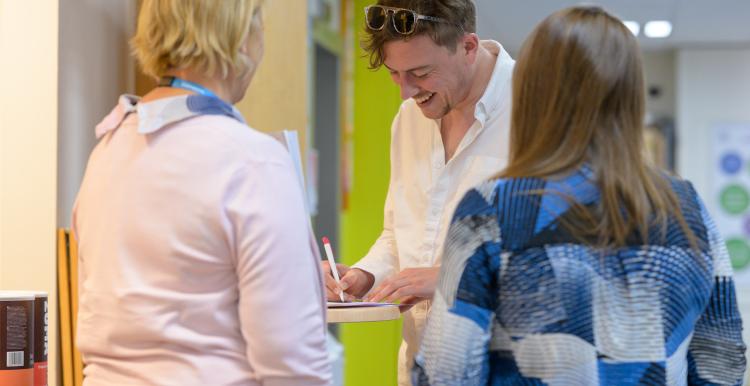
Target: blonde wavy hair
(203, 35)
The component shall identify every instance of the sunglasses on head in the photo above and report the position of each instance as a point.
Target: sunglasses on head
(404, 20)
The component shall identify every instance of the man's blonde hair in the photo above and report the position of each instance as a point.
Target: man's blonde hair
(203, 35)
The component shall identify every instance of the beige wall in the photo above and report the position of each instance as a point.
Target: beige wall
(277, 98)
(28, 151)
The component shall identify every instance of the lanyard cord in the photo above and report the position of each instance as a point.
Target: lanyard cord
(173, 81)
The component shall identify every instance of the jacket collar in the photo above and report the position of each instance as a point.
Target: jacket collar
(153, 116)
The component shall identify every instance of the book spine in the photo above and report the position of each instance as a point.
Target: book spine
(16, 342)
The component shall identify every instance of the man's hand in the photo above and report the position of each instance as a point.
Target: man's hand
(409, 286)
(354, 282)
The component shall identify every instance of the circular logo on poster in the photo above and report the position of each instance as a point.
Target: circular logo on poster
(739, 252)
(731, 163)
(734, 199)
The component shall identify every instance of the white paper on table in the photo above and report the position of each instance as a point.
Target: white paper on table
(358, 304)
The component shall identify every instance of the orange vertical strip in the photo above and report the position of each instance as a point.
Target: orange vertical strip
(73, 258)
(63, 293)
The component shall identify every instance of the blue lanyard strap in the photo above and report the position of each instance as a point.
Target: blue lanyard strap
(173, 81)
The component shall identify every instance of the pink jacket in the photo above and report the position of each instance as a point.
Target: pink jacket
(197, 265)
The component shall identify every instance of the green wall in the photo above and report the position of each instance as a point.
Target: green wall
(371, 349)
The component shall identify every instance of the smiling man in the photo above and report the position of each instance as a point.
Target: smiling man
(450, 133)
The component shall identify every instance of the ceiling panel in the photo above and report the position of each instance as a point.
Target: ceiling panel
(703, 23)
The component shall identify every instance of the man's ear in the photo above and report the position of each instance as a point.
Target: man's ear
(469, 46)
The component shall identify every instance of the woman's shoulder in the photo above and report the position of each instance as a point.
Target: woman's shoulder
(237, 140)
(521, 198)
(689, 200)
(683, 188)
(497, 193)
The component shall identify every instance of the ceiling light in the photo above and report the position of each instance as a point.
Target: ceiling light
(658, 29)
(633, 26)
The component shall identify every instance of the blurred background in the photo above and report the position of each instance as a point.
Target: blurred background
(64, 63)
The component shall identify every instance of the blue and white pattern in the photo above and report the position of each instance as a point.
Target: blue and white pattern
(159, 113)
(520, 302)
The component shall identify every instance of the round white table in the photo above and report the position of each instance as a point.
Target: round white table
(362, 314)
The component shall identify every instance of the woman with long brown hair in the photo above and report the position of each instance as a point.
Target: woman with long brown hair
(582, 264)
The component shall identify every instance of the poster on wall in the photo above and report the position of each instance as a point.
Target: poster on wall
(731, 184)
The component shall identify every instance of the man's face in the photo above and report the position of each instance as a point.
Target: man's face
(430, 74)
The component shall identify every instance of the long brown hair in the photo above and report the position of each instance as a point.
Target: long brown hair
(578, 98)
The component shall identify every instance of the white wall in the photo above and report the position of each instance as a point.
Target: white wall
(713, 87)
(28, 151)
(95, 68)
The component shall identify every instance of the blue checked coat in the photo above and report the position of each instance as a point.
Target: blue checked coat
(520, 302)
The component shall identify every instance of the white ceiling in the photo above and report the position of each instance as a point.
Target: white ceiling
(696, 23)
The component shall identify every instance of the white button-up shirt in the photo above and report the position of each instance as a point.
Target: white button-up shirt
(424, 189)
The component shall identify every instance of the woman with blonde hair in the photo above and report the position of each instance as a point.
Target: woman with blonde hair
(582, 264)
(188, 221)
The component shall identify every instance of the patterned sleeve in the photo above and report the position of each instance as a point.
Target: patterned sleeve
(455, 348)
(716, 355)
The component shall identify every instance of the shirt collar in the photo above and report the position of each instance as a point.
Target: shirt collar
(125, 105)
(494, 96)
(155, 115)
